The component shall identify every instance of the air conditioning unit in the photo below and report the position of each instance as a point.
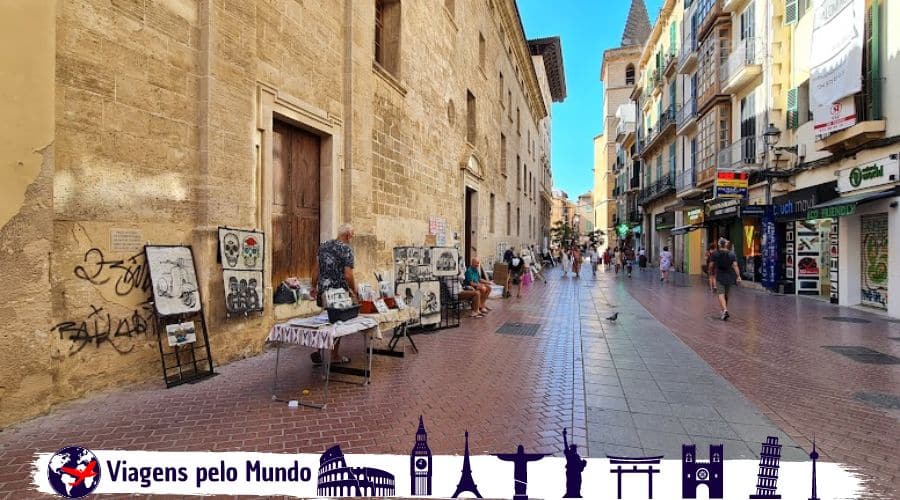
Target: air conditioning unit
(801, 150)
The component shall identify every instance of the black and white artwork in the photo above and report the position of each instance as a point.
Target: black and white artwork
(430, 293)
(414, 256)
(338, 298)
(426, 257)
(445, 261)
(181, 333)
(241, 249)
(409, 292)
(399, 254)
(174, 279)
(243, 291)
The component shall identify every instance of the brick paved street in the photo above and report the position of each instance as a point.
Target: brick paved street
(663, 374)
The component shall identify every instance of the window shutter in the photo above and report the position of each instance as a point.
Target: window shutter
(791, 14)
(793, 116)
(874, 76)
(673, 37)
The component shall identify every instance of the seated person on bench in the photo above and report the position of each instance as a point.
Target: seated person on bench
(477, 288)
(457, 293)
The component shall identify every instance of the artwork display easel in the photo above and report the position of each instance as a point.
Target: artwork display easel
(184, 355)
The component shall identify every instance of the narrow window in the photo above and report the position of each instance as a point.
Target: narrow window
(503, 154)
(508, 219)
(518, 221)
(471, 131)
(492, 213)
(482, 51)
(502, 102)
(518, 173)
(387, 35)
(629, 75)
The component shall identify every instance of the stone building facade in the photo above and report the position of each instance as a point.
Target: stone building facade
(165, 120)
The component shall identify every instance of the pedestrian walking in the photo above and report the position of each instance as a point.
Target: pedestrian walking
(577, 260)
(607, 258)
(566, 263)
(710, 270)
(665, 264)
(516, 273)
(642, 259)
(618, 257)
(594, 257)
(727, 274)
(629, 259)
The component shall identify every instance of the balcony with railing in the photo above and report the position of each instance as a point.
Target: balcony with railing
(663, 186)
(743, 65)
(686, 118)
(708, 11)
(733, 5)
(625, 123)
(687, 62)
(746, 152)
(664, 125)
(684, 181)
(870, 123)
(670, 64)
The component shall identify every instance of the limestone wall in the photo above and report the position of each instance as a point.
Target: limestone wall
(157, 128)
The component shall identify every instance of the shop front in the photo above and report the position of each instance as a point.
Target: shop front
(723, 220)
(862, 251)
(663, 223)
(805, 243)
(693, 240)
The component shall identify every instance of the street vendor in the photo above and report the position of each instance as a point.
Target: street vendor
(334, 269)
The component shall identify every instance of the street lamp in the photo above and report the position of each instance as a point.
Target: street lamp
(772, 135)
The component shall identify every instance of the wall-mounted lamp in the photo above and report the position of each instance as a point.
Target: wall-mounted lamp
(772, 135)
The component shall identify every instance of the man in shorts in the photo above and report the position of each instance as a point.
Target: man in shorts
(724, 264)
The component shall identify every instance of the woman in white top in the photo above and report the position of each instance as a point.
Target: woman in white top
(567, 264)
(665, 264)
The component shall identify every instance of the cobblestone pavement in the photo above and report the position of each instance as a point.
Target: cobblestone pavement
(772, 351)
(644, 384)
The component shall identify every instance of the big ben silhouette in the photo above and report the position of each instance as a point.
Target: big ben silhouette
(420, 464)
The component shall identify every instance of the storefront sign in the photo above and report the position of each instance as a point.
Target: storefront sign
(831, 212)
(695, 215)
(723, 209)
(838, 116)
(876, 173)
(753, 211)
(663, 221)
(796, 204)
(836, 56)
(769, 250)
(734, 185)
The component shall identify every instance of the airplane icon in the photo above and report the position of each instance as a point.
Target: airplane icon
(81, 475)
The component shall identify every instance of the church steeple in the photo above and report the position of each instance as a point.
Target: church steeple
(637, 27)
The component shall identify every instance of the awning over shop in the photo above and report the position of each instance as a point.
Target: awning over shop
(685, 229)
(846, 205)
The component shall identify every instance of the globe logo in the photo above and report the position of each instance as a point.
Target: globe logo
(856, 177)
(74, 472)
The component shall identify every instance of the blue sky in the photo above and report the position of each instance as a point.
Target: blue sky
(586, 28)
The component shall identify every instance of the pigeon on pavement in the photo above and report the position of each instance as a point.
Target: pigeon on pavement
(613, 317)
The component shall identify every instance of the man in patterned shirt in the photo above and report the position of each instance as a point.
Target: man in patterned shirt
(334, 269)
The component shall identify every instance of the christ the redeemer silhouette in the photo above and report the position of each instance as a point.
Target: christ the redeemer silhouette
(520, 473)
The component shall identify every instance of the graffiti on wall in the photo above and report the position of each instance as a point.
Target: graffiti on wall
(874, 239)
(128, 279)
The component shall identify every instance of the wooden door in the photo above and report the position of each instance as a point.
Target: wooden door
(295, 204)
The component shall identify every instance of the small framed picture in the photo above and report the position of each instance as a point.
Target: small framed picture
(401, 304)
(381, 306)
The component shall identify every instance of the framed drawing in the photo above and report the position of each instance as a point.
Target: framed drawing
(243, 291)
(173, 278)
(181, 333)
(430, 293)
(409, 292)
(338, 298)
(445, 261)
(241, 249)
(401, 304)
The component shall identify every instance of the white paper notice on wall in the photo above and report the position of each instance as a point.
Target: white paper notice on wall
(126, 240)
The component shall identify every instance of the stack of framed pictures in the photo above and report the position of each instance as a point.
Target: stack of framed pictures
(241, 252)
(416, 271)
(178, 308)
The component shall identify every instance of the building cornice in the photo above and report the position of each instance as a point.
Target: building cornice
(511, 22)
(650, 44)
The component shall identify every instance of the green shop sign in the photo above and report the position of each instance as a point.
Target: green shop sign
(858, 175)
(831, 212)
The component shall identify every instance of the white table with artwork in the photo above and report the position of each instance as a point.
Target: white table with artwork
(317, 333)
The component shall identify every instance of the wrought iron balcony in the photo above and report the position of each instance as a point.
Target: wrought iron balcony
(664, 124)
(743, 65)
(687, 116)
(663, 186)
(688, 60)
(684, 181)
(671, 63)
(747, 152)
(634, 216)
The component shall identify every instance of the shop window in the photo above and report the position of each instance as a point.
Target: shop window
(387, 35)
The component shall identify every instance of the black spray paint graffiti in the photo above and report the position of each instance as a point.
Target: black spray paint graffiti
(131, 276)
(100, 327)
(133, 273)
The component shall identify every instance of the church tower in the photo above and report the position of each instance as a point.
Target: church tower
(420, 464)
(637, 27)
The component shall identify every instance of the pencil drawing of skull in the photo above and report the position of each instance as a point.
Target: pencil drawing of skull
(232, 249)
(251, 251)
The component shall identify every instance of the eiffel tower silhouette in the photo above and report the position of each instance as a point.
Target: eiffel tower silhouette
(466, 483)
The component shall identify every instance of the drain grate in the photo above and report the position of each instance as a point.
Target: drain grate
(845, 319)
(879, 400)
(862, 354)
(520, 329)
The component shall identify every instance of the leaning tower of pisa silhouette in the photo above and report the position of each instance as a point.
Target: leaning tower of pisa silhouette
(767, 478)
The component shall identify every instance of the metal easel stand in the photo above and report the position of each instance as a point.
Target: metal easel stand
(399, 333)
